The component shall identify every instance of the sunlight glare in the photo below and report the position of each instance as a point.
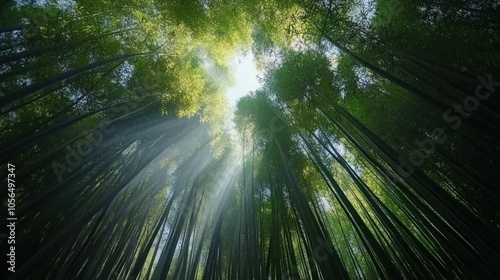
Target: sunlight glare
(245, 75)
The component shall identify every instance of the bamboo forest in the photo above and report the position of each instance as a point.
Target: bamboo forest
(250, 139)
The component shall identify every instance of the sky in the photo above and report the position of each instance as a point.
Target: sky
(245, 75)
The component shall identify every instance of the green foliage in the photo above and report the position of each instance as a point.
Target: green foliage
(127, 167)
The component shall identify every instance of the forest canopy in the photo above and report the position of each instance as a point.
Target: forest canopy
(369, 151)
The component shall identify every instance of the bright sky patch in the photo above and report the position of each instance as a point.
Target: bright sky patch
(245, 76)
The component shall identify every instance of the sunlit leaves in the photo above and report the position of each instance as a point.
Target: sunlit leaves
(230, 23)
(317, 144)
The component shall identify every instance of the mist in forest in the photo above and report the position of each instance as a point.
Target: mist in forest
(250, 139)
